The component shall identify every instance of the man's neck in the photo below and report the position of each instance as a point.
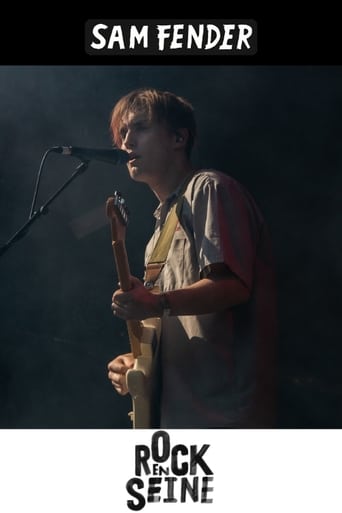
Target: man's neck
(170, 181)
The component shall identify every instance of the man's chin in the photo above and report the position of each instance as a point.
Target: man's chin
(136, 175)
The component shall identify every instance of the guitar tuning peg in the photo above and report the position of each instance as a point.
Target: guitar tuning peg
(119, 197)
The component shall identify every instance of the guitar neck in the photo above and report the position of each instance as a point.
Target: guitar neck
(134, 328)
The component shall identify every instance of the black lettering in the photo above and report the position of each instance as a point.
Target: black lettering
(192, 490)
(153, 489)
(130, 488)
(196, 459)
(142, 454)
(170, 489)
(183, 469)
(160, 435)
(206, 489)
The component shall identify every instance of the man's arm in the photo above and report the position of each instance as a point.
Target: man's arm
(215, 292)
(207, 295)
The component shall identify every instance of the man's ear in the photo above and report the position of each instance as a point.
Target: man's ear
(181, 137)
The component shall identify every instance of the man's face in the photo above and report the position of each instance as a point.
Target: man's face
(151, 146)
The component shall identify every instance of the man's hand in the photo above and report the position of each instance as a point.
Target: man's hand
(137, 303)
(117, 369)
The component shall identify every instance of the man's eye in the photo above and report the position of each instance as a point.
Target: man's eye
(142, 126)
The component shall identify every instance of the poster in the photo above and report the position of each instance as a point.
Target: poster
(66, 440)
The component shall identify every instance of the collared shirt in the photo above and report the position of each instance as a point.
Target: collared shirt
(217, 369)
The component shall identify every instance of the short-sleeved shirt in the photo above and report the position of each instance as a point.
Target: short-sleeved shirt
(217, 369)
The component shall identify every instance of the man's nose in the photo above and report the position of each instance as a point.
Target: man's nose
(128, 140)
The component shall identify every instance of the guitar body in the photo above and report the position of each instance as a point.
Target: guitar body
(143, 335)
(139, 378)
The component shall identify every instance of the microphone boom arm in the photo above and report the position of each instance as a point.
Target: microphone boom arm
(43, 209)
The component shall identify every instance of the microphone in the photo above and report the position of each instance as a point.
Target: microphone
(114, 156)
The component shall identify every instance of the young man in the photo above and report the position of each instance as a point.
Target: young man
(217, 296)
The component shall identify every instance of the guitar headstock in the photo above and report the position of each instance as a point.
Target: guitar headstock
(118, 213)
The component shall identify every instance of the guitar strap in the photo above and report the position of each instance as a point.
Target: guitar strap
(161, 249)
(153, 269)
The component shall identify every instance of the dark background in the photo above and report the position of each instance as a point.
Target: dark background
(276, 128)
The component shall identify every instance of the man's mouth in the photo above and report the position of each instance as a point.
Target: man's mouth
(133, 157)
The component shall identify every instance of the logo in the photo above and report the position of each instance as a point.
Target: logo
(166, 473)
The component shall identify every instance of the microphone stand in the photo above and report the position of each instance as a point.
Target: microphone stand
(43, 209)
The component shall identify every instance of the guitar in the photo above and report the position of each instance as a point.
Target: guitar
(142, 334)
